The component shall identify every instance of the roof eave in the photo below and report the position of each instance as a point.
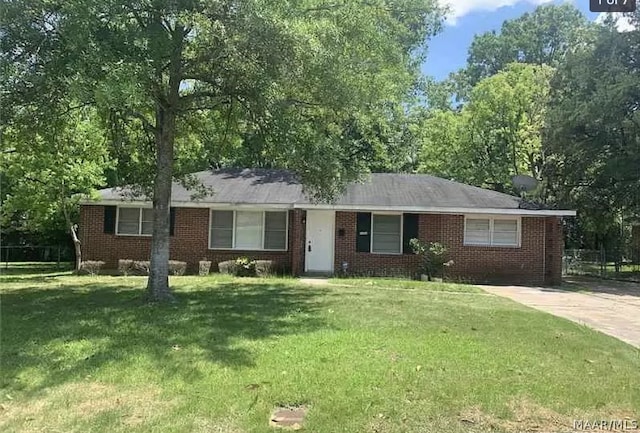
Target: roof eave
(439, 210)
(343, 207)
(191, 204)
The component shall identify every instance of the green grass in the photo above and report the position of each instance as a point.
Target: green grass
(627, 271)
(397, 283)
(34, 268)
(85, 354)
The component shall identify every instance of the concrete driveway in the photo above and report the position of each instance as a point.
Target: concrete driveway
(610, 307)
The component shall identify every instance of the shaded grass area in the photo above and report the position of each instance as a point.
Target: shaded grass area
(626, 272)
(23, 269)
(85, 354)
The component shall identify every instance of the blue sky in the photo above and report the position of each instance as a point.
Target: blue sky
(448, 50)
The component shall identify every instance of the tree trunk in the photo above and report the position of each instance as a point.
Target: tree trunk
(158, 284)
(73, 229)
(166, 112)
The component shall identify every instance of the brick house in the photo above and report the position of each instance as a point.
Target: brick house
(264, 214)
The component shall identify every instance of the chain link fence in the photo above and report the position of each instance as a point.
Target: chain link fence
(53, 254)
(601, 263)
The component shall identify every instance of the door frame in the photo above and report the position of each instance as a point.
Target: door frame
(331, 215)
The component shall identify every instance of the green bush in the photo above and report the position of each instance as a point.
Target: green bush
(245, 267)
(434, 257)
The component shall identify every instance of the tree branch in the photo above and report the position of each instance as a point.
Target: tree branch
(148, 126)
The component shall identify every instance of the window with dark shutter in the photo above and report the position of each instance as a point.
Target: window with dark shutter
(410, 231)
(109, 226)
(363, 232)
(387, 234)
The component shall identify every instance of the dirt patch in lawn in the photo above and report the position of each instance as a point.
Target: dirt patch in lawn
(528, 416)
(78, 403)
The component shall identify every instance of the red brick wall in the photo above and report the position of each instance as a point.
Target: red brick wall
(524, 265)
(537, 261)
(554, 247)
(368, 263)
(297, 234)
(190, 242)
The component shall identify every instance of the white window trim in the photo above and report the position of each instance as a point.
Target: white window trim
(491, 219)
(140, 208)
(233, 229)
(401, 233)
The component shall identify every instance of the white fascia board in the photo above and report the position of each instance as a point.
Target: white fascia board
(438, 210)
(354, 208)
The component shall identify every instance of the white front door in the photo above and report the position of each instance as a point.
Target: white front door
(319, 241)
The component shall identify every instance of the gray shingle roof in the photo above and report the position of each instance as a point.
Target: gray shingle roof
(387, 189)
(262, 186)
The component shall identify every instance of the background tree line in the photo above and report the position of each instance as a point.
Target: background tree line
(555, 97)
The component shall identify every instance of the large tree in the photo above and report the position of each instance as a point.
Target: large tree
(593, 129)
(542, 37)
(504, 122)
(51, 160)
(287, 76)
(496, 134)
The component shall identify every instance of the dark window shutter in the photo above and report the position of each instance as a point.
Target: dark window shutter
(363, 232)
(110, 219)
(410, 231)
(172, 221)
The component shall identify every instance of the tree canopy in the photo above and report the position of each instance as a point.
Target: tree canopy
(286, 79)
(496, 134)
(551, 96)
(593, 128)
(542, 37)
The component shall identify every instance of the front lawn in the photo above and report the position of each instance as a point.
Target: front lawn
(84, 354)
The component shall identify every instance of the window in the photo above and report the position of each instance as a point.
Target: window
(386, 234)
(135, 221)
(499, 232)
(275, 231)
(248, 230)
(221, 233)
(505, 232)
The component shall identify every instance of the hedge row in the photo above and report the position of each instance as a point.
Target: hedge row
(241, 266)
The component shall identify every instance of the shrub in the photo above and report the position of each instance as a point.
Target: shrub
(227, 267)
(434, 257)
(141, 266)
(125, 266)
(177, 268)
(91, 267)
(204, 267)
(264, 268)
(245, 267)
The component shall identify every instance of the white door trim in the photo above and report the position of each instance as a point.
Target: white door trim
(326, 230)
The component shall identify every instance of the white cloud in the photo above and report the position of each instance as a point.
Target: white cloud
(460, 8)
(623, 23)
